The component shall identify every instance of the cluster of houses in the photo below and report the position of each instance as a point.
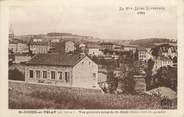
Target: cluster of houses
(69, 63)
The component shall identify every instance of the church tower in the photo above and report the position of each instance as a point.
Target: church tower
(11, 32)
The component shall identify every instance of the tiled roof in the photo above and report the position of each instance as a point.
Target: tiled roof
(15, 41)
(55, 59)
(93, 45)
(38, 42)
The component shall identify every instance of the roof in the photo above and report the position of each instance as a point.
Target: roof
(141, 49)
(93, 45)
(107, 43)
(15, 41)
(55, 59)
(38, 42)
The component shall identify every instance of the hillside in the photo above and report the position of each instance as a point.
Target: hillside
(149, 42)
(36, 96)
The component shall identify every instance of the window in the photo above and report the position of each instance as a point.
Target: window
(67, 76)
(60, 75)
(94, 76)
(44, 74)
(37, 74)
(31, 73)
(53, 75)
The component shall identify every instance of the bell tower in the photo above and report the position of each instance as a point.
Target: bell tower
(11, 32)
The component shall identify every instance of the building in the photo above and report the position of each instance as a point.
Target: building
(144, 54)
(69, 46)
(130, 48)
(37, 46)
(12, 47)
(140, 84)
(94, 49)
(117, 47)
(18, 46)
(94, 52)
(82, 47)
(107, 46)
(168, 51)
(161, 61)
(21, 58)
(63, 70)
(11, 33)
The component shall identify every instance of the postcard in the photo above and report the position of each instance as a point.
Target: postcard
(91, 58)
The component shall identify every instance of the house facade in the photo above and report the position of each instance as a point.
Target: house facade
(69, 46)
(39, 47)
(130, 48)
(94, 49)
(63, 70)
(18, 47)
(144, 54)
(161, 61)
(107, 46)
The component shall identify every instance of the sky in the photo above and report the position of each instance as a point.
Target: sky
(102, 20)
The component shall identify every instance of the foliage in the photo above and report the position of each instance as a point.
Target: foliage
(148, 71)
(126, 81)
(136, 55)
(175, 59)
(112, 82)
(167, 76)
(15, 74)
(155, 51)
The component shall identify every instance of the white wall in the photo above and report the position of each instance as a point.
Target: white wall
(83, 74)
(48, 69)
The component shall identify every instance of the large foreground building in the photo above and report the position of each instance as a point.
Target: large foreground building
(65, 70)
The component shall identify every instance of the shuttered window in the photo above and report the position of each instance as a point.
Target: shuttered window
(53, 75)
(67, 76)
(44, 74)
(60, 75)
(31, 75)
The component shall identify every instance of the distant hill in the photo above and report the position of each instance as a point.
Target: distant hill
(60, 36)
(149, 42)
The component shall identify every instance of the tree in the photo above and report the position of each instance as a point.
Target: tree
(174, 59)
(112, 82)
(126, 82)
(155, 51)
(136, 54)
(148, 71)
(167, 77)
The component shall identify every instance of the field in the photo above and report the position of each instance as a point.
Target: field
(33, 96)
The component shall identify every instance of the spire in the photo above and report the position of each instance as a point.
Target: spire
(11, 32)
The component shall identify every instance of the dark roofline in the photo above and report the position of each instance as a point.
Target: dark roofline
(59, 65)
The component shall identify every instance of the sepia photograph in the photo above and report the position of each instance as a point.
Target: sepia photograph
(92, 56)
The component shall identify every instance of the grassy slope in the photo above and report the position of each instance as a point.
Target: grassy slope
(32, 96)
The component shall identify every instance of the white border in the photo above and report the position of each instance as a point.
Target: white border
(5, 112)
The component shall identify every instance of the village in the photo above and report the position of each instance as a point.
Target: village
(69, 60)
